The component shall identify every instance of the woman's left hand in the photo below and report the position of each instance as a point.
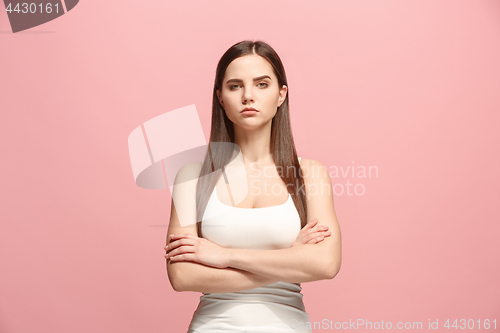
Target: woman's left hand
(188, 247)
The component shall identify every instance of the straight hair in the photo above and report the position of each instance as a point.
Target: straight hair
(220, 152)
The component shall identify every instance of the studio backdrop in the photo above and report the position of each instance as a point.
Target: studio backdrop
(398, 99)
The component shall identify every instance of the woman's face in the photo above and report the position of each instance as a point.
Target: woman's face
(250, 82)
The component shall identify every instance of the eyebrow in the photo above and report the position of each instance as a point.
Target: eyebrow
(256, 79)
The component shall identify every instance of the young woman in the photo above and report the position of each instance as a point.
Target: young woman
(248, 254)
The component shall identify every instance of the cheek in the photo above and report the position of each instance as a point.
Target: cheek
(272, 98)
(230, 115)
(229, 101)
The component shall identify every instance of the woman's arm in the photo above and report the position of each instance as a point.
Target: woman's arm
(191, 276)
(297, 264)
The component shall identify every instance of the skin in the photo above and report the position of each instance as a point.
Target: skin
(316, 254)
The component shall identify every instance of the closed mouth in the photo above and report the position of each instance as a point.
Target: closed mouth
(249, 109)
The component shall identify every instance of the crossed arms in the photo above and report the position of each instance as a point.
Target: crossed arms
(196, 264)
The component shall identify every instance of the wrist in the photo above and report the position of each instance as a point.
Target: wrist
(229, 257)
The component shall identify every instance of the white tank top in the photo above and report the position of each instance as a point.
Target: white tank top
(272, 308)
(265, 228)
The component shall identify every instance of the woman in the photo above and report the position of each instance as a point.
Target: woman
(249, 253)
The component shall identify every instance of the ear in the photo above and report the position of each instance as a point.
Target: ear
(283, 93)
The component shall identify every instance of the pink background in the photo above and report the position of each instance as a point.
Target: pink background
(408, 86)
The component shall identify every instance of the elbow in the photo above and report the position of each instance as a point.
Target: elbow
(176, 285)
(177, 282)
(331, 269)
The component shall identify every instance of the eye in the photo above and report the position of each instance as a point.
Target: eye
(232, 86)
(264, 84)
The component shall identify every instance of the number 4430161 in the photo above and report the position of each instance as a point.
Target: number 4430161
(469, 324)
(32, 8)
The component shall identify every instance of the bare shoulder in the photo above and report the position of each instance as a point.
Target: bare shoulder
(313, 170)
(318, 185)
(183, 208)
(188, 172)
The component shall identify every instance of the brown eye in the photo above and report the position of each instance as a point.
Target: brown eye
(265, 84)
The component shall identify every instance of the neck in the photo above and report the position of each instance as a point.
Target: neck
(255, 144)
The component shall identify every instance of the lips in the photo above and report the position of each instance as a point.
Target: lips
(249, 112)
(248, 109)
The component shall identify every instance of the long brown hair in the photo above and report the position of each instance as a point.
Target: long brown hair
(282, 146)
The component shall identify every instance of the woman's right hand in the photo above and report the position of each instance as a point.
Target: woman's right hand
(312, 233)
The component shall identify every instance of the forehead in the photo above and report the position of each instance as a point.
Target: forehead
(249, 67)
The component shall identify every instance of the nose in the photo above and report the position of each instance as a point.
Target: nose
(247, 95)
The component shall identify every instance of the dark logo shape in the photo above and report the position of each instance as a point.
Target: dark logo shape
(26, 15)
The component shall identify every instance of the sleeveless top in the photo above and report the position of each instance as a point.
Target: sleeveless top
(277, 307)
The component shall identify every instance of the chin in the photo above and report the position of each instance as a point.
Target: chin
(252, 124)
